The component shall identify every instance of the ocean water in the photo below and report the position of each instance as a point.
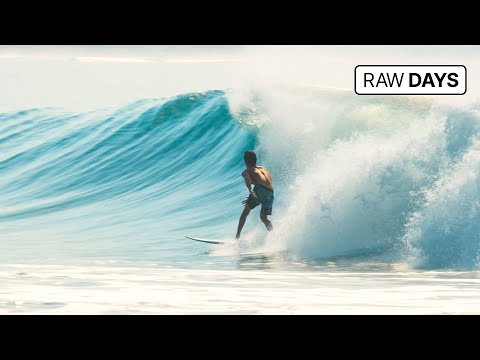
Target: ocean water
(376, 208)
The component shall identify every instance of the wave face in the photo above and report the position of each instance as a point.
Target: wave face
(124, 183)
(354, 175)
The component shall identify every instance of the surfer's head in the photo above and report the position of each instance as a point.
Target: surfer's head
(250, 158)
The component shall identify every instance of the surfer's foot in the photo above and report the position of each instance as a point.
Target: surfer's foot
(237, 236)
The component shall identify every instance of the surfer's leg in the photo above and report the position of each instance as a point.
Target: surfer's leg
(241, 222)
(265, 220)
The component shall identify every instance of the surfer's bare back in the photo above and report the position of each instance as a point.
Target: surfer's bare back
(261, 194)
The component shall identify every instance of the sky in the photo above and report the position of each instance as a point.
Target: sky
(81, 77)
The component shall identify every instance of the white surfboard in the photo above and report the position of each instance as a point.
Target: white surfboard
(208, 241)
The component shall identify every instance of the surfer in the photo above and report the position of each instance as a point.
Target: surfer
(261, 194)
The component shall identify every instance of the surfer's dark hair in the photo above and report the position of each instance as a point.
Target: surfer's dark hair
(250, 158)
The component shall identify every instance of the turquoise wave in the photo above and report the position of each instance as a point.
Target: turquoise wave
(353, 175)
(135, 176)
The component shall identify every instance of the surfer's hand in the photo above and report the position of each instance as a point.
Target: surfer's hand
(244, 202)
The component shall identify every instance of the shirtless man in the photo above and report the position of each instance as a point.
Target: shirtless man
(262, 192)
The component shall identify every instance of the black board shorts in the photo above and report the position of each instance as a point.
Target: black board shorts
(265, 198)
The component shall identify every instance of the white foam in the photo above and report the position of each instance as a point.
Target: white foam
(35, 289)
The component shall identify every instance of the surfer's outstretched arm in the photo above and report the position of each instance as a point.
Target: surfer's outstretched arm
(248, 183)
(241, 222)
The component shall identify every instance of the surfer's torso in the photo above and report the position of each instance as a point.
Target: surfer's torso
(259, 176)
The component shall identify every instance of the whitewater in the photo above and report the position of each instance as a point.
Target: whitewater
(376, 203)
